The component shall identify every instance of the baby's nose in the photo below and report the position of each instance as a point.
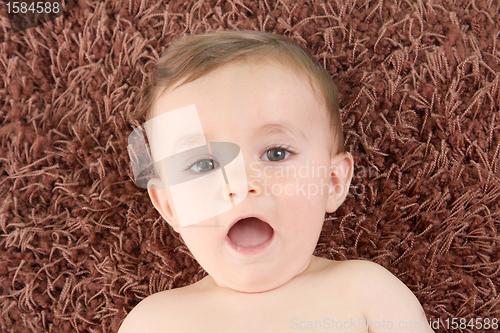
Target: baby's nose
(234, 172)
(254, 187)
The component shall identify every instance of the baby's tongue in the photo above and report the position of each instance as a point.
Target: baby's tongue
(250, 232)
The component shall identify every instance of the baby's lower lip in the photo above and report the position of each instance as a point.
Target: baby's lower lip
(252, 250)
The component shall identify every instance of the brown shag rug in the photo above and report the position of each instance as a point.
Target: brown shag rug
(419, 82)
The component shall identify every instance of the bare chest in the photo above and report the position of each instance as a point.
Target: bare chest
(309, 309)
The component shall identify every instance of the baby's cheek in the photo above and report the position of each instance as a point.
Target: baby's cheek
(300, 188)
(200, 238)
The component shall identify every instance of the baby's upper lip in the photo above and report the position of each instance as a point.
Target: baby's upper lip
(260, 217)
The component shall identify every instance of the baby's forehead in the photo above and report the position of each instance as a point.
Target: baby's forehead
(244, 74)
(266, 95)
(243, 85)
(170, 132)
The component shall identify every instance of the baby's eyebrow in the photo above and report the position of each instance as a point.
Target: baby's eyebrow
(276, 128)
(191, 140)
(188, 141)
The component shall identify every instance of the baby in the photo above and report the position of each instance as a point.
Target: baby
(247, 144)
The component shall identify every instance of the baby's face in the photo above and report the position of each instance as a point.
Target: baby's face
(281, 127)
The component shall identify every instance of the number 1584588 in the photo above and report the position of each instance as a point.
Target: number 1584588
(33, 7)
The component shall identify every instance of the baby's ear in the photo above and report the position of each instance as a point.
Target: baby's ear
(161, 199)
(342, 166)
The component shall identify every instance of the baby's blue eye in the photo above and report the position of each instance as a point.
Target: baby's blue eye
(204, 165)
(276, 154)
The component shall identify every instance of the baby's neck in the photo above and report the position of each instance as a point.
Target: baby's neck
(316, 264)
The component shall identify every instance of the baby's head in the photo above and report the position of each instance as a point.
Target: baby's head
(267, 101)
(192, 57)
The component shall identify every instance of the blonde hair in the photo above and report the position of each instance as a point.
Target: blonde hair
(191, 57)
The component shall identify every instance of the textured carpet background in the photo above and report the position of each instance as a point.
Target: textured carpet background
(419, 82)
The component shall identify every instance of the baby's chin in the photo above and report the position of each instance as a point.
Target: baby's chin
(260, 283)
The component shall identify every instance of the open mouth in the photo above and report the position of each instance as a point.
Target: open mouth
(250, 232)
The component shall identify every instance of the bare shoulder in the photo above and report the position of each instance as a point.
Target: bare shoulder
(382, 296)
(372, 281)
(144, 317)
(359, 271)
(353, 265)
(366, 275)
(154, 313)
